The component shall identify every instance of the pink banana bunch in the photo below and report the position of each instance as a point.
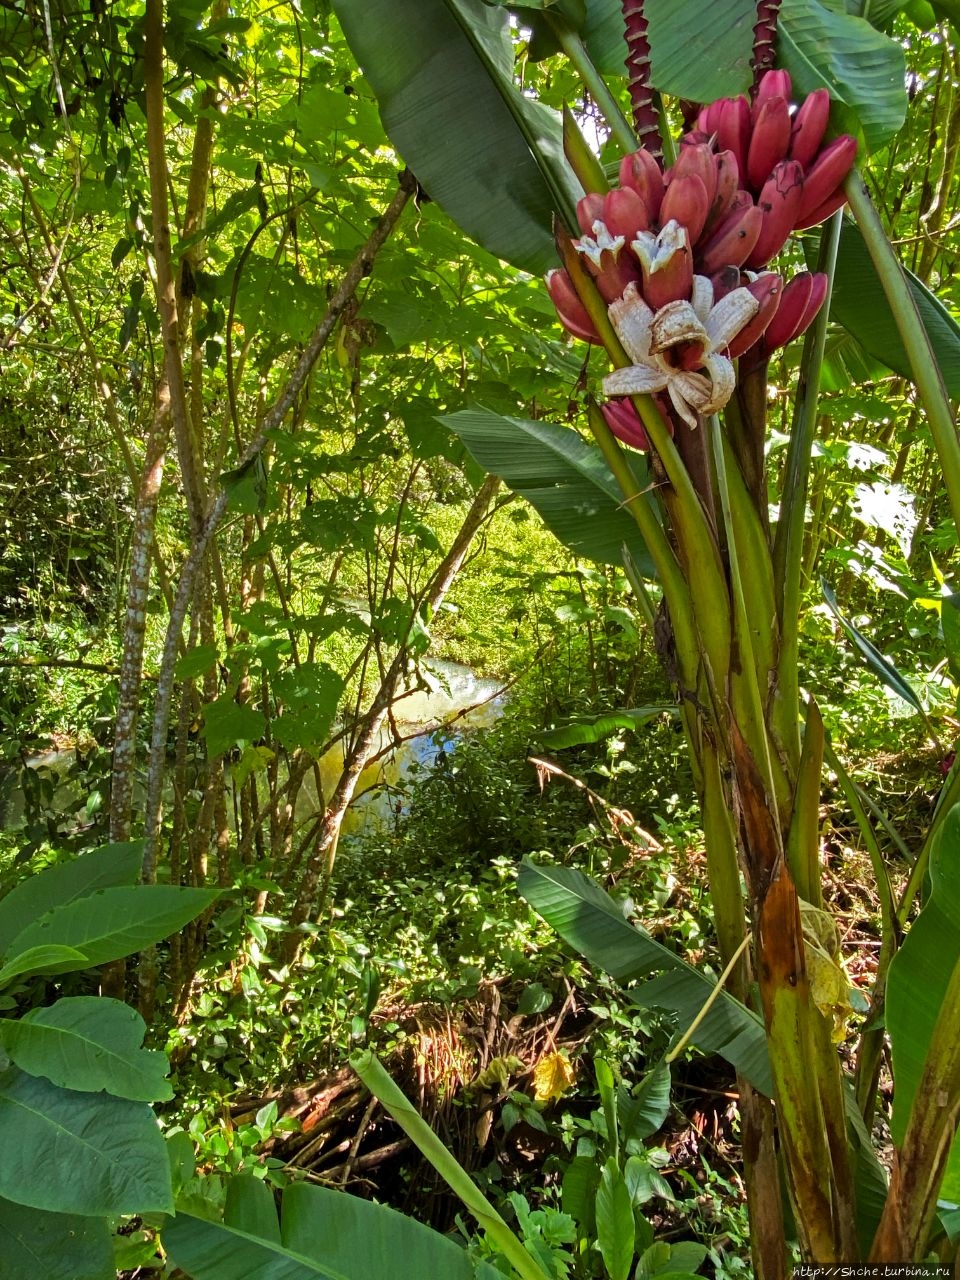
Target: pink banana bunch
(678, 256)
(786, 171)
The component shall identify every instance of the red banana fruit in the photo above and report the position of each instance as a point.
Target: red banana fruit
(686, 201)
(732, 242)
(571, 311)
(624, 213)
(823, 211)
(733, 131)
(696, 160)
(778, 202)
(728, 184)
(768, 290)
(802, 298)
(642, 174)
(826, 174)
(809, 126)
(769, 140)
(589, 211)
(708, 121)
(773, 84)
(624, 421)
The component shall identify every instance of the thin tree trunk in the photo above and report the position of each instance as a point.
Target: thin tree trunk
(365, 742)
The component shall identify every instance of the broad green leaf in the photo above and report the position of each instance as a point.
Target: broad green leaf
(310, 694)
(442, 72)
(878, 664)
(616, 1232)
(579, 1192)
(591, 922)
(863, 69)
(860, 305)
(644, 1108)
(563, 476)
(226, 723)
(701, 51)
(250, 1207)
(197, 662)
(105, 868)
(596, 728)
(43, 959)
(921, 970)
(324, 1235)
(950, 623)
(112, 923)
(37, 1245)
(84, 1153)
(88, 1044)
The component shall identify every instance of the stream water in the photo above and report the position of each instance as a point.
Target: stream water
(455, 701)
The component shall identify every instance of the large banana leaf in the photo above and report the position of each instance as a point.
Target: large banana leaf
(702, 52)
(863, 69)
(921, 970)
(561, 475)
(860, 305)
(442, 72)
(321, 1235)
(591, 922)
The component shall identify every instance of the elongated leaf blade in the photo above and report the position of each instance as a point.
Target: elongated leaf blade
(88, 1044)
(921, 970)
(591, 922)
(112, 923)
(863, 69)
(596, 728)
(702, 52)
(83, 1153)
(324, 1235)
(563, 477)
(878, 664)
(105, 868)
(861, 306)
(54, 1246)
(616, 1232)
(43, 959)
(442, 72)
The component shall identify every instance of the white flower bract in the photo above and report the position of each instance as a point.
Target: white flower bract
(649, 337)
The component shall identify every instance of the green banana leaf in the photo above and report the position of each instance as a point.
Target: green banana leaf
(596, 728)
(442, 73)
(863, 69)
(921, 970)
(861, 306)
(563, 477)
(882, 667)
(321, 1235)
(702, 52)
(591, 922)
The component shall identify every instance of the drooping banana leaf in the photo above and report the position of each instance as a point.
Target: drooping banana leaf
(702, 52)
(563, 476)
(442, 73)
(860, 305)
(591, 922)
(921, 970)
(596, 728)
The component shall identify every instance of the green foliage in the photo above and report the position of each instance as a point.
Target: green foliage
(455, 58)
(565, 478)
(74, 1080)
(320, 1233)
(591, 922)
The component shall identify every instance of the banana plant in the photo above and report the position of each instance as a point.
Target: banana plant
(670, 270)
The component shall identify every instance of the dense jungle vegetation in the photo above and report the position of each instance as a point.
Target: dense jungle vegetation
(449, 828)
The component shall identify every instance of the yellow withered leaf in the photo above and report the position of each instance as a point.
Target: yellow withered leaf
(552, 1077)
